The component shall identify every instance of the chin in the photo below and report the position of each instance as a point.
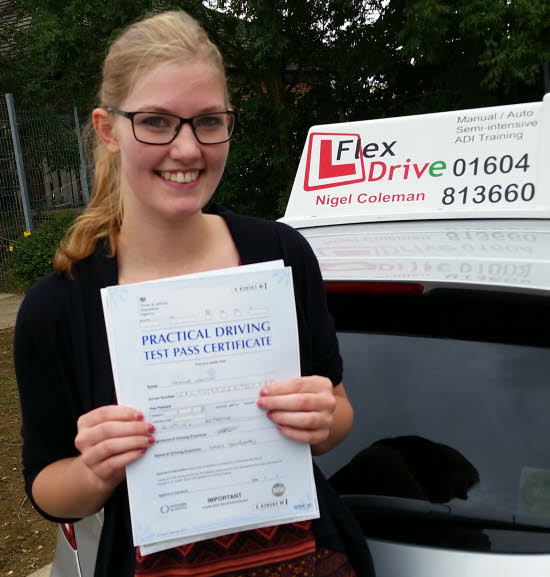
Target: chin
(182, 210)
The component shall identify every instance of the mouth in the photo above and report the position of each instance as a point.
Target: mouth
(179, 176)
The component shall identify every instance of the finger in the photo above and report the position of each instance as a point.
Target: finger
(109, 413)
(111, 429)
(301, 420)
(304, 436)
(298, 402)
(311, 384)
(114, 467)
(110, 448)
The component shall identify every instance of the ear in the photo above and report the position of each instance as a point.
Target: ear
(105, 130)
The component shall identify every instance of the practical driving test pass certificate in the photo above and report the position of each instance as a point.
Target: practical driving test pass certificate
(192, 354)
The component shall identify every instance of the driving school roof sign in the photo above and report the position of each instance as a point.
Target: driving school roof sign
(477, 163)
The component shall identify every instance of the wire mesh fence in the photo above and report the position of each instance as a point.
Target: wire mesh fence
(42, 175)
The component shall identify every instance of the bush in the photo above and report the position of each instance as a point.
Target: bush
(32, 255)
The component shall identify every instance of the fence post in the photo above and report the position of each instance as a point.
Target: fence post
(19, 162)
(83, 169)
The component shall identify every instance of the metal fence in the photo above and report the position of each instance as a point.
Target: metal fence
(42, 171)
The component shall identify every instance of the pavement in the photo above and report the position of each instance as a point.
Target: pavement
(44, 572)
(9, 305)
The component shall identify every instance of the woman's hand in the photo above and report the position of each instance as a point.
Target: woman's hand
(109, 438)
(309, 409)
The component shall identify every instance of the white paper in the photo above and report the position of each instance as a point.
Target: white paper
(192, 354)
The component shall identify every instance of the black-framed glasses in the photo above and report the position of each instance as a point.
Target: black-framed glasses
(160, 128)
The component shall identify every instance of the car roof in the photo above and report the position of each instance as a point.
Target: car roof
(495, 254)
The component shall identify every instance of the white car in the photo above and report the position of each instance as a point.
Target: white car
(443, 328)
(441, 296)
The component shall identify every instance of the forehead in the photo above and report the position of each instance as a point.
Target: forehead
(183, 88)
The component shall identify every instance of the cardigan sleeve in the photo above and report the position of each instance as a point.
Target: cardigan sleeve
(321, 354)
(43, 367)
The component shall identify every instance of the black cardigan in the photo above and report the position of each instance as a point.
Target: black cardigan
(63, 370)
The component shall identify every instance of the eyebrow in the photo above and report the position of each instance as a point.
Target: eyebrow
(162, 110)
(153, 108)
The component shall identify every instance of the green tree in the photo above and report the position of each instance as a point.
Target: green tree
(290, 63)
(296, 63)
(57, 56)
(442, 54)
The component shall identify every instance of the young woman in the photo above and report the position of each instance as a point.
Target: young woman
(162, 138)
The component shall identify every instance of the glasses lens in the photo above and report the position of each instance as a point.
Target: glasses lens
(155, 128)
(214, 128)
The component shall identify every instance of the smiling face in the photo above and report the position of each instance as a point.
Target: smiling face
(173, 180)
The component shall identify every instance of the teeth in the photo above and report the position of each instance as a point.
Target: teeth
(179, 176)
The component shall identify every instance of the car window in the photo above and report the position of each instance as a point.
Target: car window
(449, 445)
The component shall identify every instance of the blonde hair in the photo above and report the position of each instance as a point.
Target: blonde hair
(167, 37)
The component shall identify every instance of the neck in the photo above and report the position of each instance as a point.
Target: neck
(150, 249)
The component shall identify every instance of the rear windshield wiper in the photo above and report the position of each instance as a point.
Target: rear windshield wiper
(365, 505)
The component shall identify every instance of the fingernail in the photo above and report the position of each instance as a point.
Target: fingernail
(150, 428)
(150, 439)
(260, 403)
(139, 416)
(263, 391)
(269, 414)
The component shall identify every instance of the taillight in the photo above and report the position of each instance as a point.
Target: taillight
(355, 287)
(68, 531)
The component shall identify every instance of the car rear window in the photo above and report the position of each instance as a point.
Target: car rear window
(452, 405)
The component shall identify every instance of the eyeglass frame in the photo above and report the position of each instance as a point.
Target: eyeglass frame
(182, 121)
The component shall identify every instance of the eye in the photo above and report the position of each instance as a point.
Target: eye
(210, 121)
(154, 121)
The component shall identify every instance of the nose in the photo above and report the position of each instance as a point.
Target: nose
(185, 145)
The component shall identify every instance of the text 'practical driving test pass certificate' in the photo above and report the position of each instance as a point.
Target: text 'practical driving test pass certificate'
(192, 354)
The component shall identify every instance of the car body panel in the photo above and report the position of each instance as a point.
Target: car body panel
(399, 560)
(87, 533)
(65, 563)
(69, 562)
(500, 254)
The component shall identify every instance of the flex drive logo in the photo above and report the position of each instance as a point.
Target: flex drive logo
(328, 166)
(338, 159)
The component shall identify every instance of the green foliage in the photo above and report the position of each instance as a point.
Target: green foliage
(32, 255)
(57, 57)
(452, 54)
(289, 64)
(297, 63)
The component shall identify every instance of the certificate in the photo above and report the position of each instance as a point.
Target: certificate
(192, 354)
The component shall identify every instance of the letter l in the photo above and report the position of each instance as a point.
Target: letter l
(329, 170)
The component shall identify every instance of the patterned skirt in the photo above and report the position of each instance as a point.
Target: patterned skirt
(279, 551)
